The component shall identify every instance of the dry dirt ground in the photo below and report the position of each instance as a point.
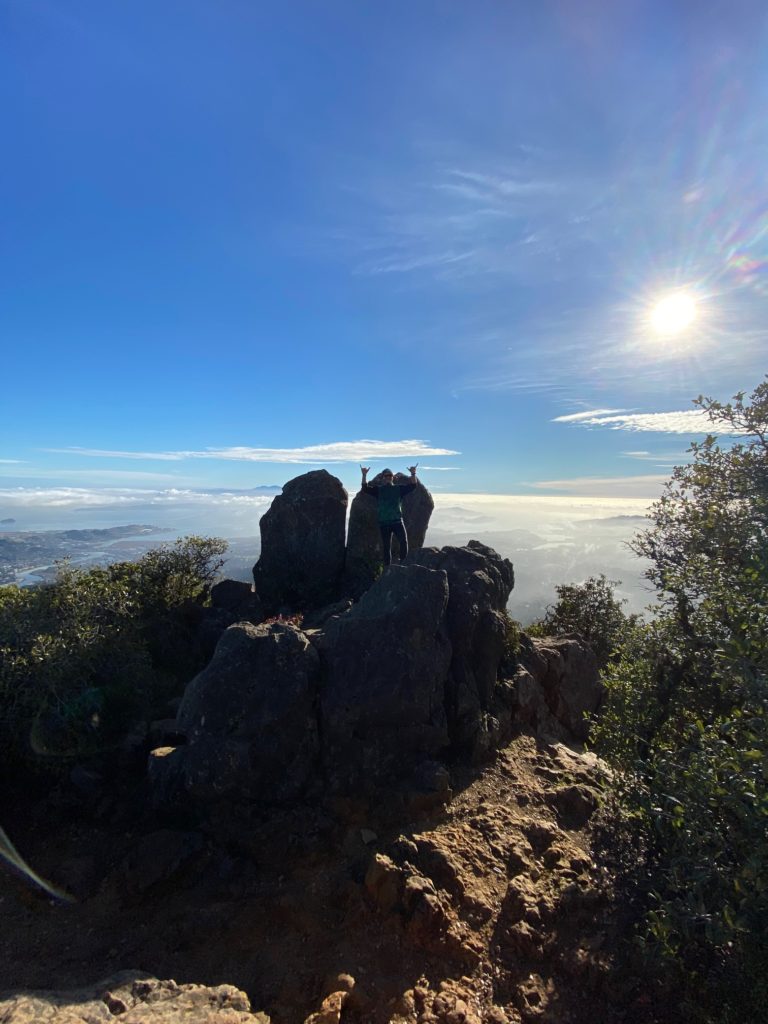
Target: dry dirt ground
(488, 909)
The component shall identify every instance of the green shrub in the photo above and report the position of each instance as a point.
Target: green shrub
(685, 724)
(81, 659)
(590, 609)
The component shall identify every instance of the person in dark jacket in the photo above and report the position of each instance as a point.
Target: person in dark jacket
(389, 499)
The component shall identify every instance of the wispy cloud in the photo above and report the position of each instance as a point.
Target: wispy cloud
(689, 421)
(11, 462)
(577, 417)
(318, 454)
(647, 486)
(455, 221)
(664, 460)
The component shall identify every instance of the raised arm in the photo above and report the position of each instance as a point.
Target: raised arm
(411, 485)
(364, 485)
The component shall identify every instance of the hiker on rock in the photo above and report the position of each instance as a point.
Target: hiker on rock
(389, 497)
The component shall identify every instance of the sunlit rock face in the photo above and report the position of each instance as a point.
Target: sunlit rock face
(302, 545)
(364, 554)
(134, 996)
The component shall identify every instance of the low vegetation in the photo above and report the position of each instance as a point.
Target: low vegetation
(95, 651)
(685, 725)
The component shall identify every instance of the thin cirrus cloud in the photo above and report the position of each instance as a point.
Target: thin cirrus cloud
(689, 421)
(457, 222)
(338, 451)
(647, 486)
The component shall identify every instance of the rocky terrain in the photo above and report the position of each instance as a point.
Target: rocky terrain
(378, 812)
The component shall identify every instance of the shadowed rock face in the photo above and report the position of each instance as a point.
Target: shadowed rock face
(385, 664)
(480, 582)
(374, 695)
(364, 554)
(302, 544)
(250, 718)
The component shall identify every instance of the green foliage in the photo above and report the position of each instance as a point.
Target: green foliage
(685, 724)
(82, 658)
(512, 634)
(590, 609)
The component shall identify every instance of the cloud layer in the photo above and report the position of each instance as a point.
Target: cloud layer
(336, 451)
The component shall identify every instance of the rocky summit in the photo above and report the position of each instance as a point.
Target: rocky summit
(375, 810)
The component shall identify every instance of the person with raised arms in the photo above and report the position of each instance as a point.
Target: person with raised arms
(389, 499)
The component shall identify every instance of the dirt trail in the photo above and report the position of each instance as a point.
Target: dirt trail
(490, 910)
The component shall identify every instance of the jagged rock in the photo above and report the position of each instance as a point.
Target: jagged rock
(136, 999)
(480, 582)
(364, 554)
(575, 805)
(302, 544)
(250, 718)
(529, 706)
(384, 883)
(566, 670)
(386, 663)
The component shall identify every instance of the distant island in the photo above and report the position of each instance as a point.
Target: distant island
(7, 522)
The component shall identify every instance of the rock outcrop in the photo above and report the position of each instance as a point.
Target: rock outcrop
(364, 556)
(383, 696)
(479, 582)
(250, 718)
(302, 545)
(555, 687)
(136, 999)
(374, 695)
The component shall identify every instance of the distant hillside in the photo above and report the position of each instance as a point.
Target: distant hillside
(21, 551)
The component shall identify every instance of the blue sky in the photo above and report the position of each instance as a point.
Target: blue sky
(241, 240)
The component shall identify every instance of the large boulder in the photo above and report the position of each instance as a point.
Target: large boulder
(302, 544)
(480, 582)
(250, 718)
(364, 554)
(386, 663)
(556, 687)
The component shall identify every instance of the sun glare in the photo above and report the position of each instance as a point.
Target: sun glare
(673, 313)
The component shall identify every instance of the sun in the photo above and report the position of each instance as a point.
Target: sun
(673, 313)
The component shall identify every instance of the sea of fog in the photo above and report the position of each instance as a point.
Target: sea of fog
(550, 540)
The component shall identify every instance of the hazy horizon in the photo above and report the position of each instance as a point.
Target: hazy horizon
(550, 540)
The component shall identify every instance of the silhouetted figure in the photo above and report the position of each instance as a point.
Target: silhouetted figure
(389, 499)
